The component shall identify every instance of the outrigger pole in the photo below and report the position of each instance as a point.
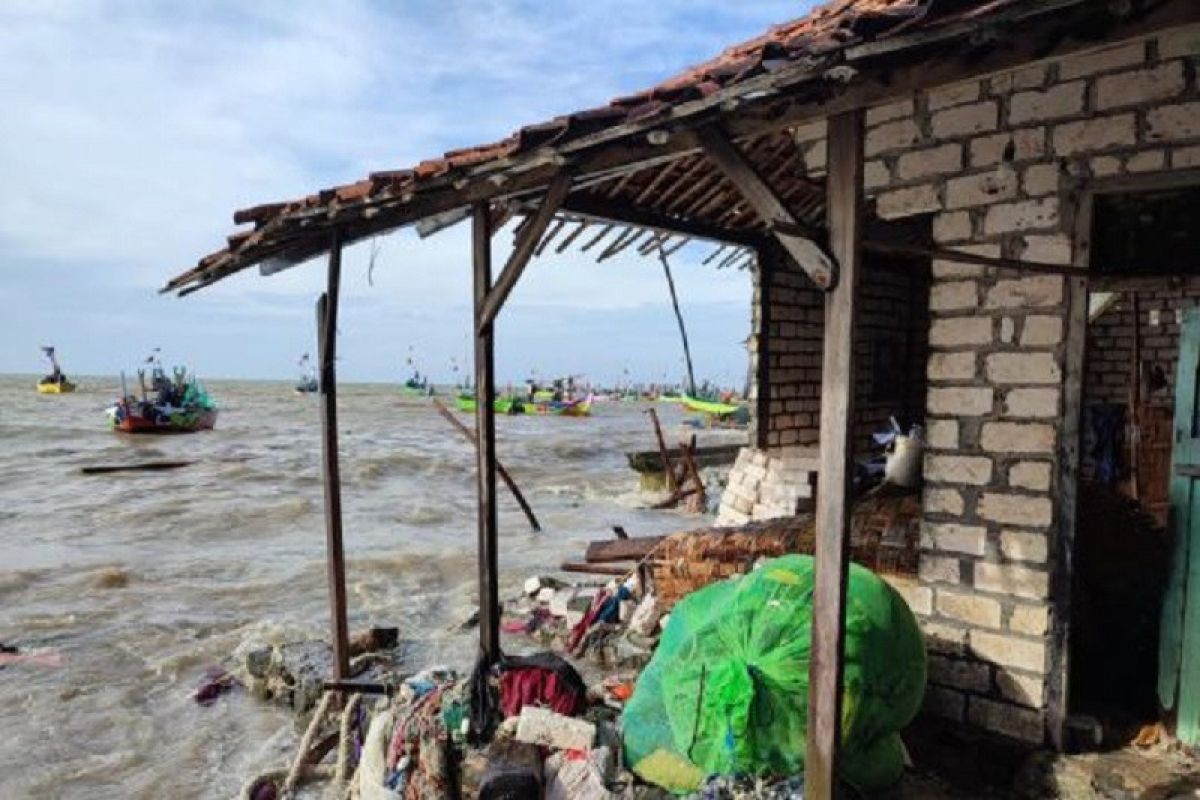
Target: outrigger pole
(327, 314)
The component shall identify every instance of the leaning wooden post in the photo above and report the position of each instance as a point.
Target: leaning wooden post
(837, 450)
(485, 426)
(327, 315)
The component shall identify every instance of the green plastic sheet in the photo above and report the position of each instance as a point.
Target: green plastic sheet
(727, 690)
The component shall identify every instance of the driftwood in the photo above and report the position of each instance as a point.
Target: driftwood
(663, 455)
(144, 466)
(500, 470)
(609, 550)
(596, 569)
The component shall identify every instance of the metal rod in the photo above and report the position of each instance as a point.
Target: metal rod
(327, 316)
(485, 424)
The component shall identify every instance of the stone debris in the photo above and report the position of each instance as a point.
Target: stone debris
(544, 727)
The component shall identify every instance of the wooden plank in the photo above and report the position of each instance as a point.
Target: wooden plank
(835, 478)
(1062, 565)
(335, 559)
(766, 203)
(630, 215)
(527, 242)
(607, 550)
(485, 426)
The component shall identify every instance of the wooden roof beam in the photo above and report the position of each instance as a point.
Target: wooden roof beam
(588, 206)
(528, 240)
(767, 205)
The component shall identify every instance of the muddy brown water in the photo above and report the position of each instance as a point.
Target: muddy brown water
(142, 580)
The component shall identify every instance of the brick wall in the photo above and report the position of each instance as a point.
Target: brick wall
(987, 158)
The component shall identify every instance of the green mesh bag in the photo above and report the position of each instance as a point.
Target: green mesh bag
(727, 690)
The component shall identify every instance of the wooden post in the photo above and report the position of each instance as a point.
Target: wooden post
(327, 316)
(837, 450)
(687, 351)
(767, 261)
(485, 426)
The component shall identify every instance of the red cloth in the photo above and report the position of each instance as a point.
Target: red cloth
(532, 686)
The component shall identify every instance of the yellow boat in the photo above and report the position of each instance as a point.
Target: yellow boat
(55, 387)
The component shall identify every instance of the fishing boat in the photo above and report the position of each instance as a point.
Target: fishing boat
(308, 376)
(56, 382)
(417, 386)
(502, 405)
(563, 408)
(713, 407)
(178, 404)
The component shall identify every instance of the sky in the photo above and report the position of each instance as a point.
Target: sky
(131, 131)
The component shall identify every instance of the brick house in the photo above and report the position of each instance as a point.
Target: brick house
(985, 141)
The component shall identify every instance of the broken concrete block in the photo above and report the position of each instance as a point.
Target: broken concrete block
(558, 603)
(645, 616)
(542, 726)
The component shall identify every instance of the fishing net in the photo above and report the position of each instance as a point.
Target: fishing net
(727, 690)
(195, 396)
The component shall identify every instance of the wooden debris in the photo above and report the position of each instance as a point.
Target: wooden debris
(144, 466)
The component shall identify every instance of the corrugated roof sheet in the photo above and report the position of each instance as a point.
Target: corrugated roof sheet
(828, 29)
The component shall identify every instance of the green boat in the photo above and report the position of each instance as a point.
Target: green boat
(713, 407)
(502, 405)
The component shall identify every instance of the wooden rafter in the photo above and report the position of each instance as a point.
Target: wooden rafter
(766, 204)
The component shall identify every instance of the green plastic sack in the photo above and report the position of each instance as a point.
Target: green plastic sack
(727, 690)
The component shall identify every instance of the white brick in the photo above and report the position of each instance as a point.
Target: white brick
(1015, 509)
(953, 295)
(1140, 86)
(1105, 60)
(1185, 157)
(1029, 292)
(1024, 78)
(918, 598)
(1025, 724)
(1021, 216)
(960, 331)
(1007, 329)
(1030, 620)
(952, 95)
(974, 609)
(960, 401)
(1032, 403)
(1103, 166)
(1146, 161)
(1048, 249)
(1096, 133)
(930, 161)
(1008, 579)
(545, 727)
(943, 501)
(943, 638)
(973, 676)
(954, 366)
(952, 226)
(965, 120)
(976, 190)
(1026, 144)
(1023, 368)
(1009, 651)
(1023, 546)
(938, 569)
(908, 201)
(814, 156)
(898, 135)
(810, 131)
(942, 434)
(954, 538)
(1029, 475)
(1182, 41)
(1168, 123)
(1040, 179)
(970, 470)
(1061, 100)
(1026, 690)
(875, 175)
(1017, 437)
(890, 111)
(945, 268)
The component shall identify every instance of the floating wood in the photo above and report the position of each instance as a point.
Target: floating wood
(145, 466)
(470, 436)
(595, 569)
(826, 660)
(649, 461)
(664, 455)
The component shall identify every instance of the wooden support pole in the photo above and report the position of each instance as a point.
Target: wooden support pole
(485, 426)
(327, 317)
(687, 351)
(530, 235)
(766, 204)
(837, 449)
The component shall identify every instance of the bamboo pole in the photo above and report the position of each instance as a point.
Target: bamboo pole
(687, 352)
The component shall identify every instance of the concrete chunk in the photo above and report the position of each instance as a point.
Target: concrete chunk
(545, 727)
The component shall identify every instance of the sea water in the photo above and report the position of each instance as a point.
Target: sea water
(142, 580)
